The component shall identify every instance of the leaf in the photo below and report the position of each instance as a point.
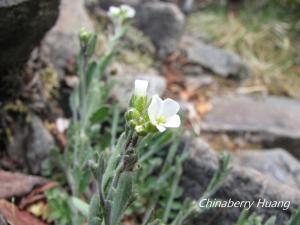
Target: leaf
(295, 218)
(90, 72)
(94, 217)
(93, 98)
(271, 221)
(100, 115)
(243, 217)
(80, 205)
(121, 197)
(156, 222)
(110, 169)
(92, 45)
(15, 216)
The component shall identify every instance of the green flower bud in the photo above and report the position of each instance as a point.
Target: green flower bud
(132, 114)
(140, 130)
(150, 128)
(133, 123)
(84, 36)
(140, 103)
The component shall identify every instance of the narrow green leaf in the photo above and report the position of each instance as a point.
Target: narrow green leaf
(295, 219)
(95, 215)
(271, 221)
(121, 197)
(92, 45)
(110, 169)
(90, 72)
(156, 222)
(80, 205)
(100, 115)
(243, 217)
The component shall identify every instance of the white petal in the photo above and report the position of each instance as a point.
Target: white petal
(173, 121)
(130, 12)
(170, 108)
(113, 11)
(160, 128)
(62, 124)
(140, 87)
(154, 108)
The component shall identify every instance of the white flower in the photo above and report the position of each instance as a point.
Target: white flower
(128, 10)
(114, 11)
(163, 113)
(124, 11)
(140, 87)
(62, 124)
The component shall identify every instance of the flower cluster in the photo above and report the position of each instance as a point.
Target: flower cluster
(153, 115)
(124, 12)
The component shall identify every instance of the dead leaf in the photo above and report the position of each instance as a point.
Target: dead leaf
(37, 195)
(17, 184)
(203, 108)
(15, 216)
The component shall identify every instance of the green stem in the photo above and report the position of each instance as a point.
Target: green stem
(172, 195)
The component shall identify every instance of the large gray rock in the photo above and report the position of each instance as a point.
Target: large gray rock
(216, 60)
(61, 44)
(23, 24)
(276, 163)
(125, 85)
(243, 184)
(272, 121)
(163, 22)
(31, 145)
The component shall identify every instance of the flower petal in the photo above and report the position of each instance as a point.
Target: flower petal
(160, 128)
(173, 121)
(130, 12)
(169, 108)
(140, 87)
(113, 11)
(154, 108)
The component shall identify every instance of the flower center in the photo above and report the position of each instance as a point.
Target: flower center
(161, 120)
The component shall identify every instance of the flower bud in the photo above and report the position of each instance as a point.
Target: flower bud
(84, 36)
(132, 114)
(132, 123)
(140, 130)
(140, 88)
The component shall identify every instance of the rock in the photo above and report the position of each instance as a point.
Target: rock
(276, 163)
(23, 24)
(186, 6)
(61, 44)
(216, 60)
(195, 83)
(17, 184)
(272, 121)
(125, 83)
(243, 184)
(163, 22)
(31, 145)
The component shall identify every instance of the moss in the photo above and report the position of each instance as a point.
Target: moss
(50, 82)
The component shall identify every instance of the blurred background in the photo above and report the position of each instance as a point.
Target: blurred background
(233, 65)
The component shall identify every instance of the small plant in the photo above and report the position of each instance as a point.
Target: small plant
(247, 218)
(114, 170)
(252, 219)
(295, 218)
(120, 166)
(89, 112)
